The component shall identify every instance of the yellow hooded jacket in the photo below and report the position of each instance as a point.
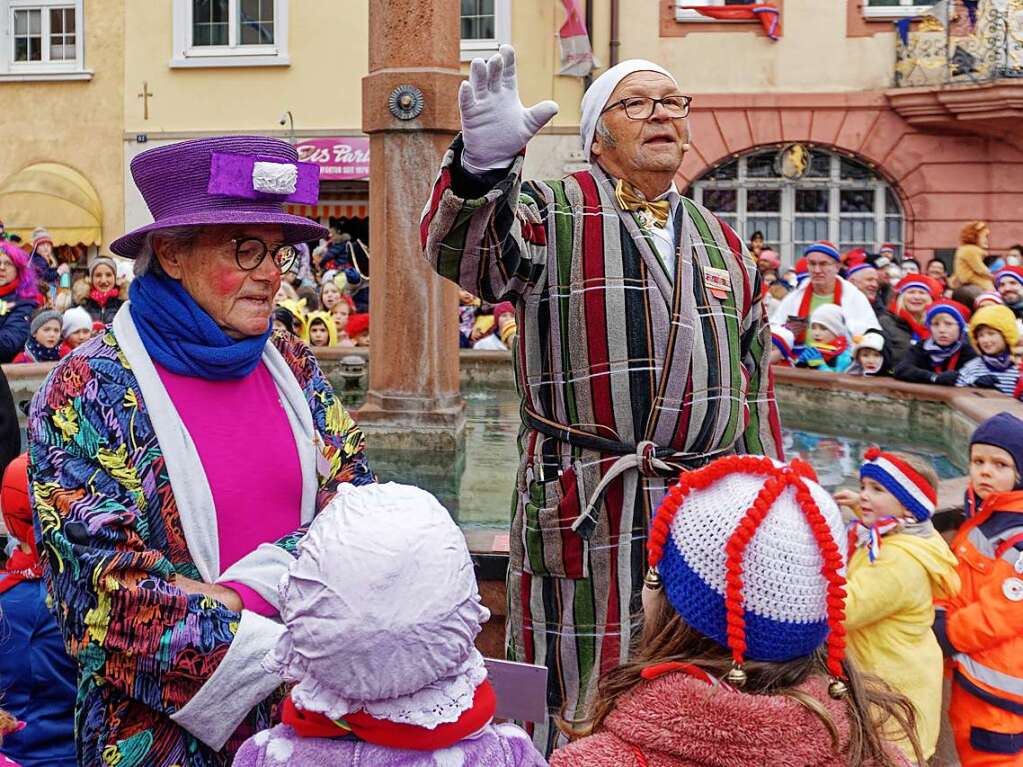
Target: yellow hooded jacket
(889, 611)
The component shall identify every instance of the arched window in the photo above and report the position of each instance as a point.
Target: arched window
(832, 197)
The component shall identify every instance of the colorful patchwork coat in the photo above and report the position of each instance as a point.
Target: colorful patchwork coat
(165, 678)
(611, 345)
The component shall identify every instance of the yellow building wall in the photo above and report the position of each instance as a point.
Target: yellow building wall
(328, 51)
(76, 123)
(322, 87)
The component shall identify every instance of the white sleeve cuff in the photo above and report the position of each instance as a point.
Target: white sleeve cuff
(236, 687)
(261, 570)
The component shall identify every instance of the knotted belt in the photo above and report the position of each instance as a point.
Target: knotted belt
(649, 459)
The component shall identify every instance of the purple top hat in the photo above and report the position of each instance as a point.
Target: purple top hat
(224, 180)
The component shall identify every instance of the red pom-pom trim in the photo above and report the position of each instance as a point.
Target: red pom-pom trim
(778, 479)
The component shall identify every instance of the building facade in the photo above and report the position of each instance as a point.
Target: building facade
(61, 80)
(838, 129)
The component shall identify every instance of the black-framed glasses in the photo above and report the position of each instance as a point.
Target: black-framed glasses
(249, 253)
(642, 107)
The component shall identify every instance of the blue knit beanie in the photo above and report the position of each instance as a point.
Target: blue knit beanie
(1004, 431)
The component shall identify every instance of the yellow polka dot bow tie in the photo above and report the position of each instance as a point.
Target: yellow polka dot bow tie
(648, 211)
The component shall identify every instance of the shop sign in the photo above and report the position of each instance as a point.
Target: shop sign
(340, 159)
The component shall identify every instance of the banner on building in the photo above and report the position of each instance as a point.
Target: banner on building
(766, 13)
(345, 158)
(577, 59)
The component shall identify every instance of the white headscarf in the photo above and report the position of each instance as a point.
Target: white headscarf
(595, 98)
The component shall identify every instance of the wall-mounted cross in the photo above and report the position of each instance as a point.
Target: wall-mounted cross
(145, 96)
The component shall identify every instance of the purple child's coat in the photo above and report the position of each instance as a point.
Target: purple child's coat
(501, 745)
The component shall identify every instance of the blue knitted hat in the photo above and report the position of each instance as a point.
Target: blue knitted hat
(1004, 431)
(751, 554)
(825, 247)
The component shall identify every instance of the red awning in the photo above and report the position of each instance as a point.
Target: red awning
(330, 210)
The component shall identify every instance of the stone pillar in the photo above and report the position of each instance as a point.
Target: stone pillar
(413, 400)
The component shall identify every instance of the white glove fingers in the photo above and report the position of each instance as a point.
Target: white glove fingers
(495, 73)
(466, 99)
(478, 77)
(507, 54)
(540, 114)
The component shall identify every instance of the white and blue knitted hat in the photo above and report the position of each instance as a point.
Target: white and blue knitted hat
(751, 554)
(913, 491)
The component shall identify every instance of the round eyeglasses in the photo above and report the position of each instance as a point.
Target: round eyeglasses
(642, 107)
(249, 253)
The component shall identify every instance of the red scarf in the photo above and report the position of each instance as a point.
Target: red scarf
(1018, 393)
(10, 287)
(830, 351)
(804, 307)
(381, 732)
(21, 566)
(920, 332)
(102, 296)
(950, 364)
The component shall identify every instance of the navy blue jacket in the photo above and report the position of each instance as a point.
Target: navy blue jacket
(14, 326)
(37, 680)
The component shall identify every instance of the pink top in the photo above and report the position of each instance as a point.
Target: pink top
(247, 449)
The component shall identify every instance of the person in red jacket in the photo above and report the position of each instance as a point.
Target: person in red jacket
(981, 629)
(741, 659)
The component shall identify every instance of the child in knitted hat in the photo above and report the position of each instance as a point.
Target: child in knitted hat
(381, 612)
(104, 294)
(356, 330)
(869, 358)
(39, 679)
(939, 358)
(827, 341)
(782, 341)
(43, 344)
(899, 565)
(993, 333)
(981, 628)
(741, 657)
(76, 329)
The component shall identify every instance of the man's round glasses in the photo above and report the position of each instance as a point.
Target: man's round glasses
(642, 107)
(249, 253)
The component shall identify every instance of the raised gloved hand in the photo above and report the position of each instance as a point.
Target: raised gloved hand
(495, 125)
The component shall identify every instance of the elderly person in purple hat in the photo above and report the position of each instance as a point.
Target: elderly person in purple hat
(381, 611)
(176, 460)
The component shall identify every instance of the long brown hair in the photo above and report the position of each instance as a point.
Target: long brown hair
(874, 707)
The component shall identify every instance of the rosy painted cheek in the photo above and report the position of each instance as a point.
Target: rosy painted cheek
(226, 282)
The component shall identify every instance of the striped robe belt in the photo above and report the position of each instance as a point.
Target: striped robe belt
(649, 459)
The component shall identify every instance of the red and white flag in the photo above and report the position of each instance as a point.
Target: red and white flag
(577, 57)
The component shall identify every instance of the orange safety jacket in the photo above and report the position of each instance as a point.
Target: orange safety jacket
(981, 628)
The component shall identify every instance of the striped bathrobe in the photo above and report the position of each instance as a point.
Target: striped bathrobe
(611, 344)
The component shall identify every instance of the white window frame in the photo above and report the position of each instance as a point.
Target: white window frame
(482, 48)
(833, 183)
(185, 55)
(687, 15)
(905, 9)
(11, 70)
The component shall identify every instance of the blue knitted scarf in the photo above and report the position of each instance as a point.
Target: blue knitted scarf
(182, 337)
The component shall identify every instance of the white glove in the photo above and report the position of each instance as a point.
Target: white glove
(495, 125)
